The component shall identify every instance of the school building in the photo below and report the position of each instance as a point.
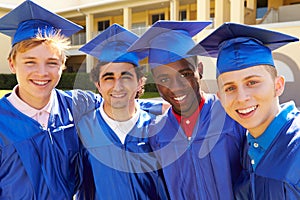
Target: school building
(137, 15)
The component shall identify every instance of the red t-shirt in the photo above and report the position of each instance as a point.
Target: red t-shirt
(188, 123)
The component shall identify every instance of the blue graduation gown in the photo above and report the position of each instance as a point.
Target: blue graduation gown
(119, 171)
(277, 175)
(37, 163)
(205, 166)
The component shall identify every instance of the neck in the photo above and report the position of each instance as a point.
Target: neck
(37, 103)
(120, 114)
(261, 128)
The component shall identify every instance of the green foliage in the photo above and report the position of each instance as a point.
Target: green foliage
(76, 81)
(7, 81)
(150, 85)
(148, 95)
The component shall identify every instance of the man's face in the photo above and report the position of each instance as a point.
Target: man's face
(118, 85)
(38, 71)
(179, 84)
(250, 96)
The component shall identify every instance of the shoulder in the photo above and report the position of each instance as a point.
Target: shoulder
(83, 101)
(214, 114)
(156, 107)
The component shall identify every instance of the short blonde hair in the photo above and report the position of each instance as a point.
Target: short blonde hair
(55, 40)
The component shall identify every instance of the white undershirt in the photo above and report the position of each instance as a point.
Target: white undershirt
(121, 129)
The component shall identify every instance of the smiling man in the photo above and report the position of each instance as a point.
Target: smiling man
(118, 85)
(118, 158)
(249, 89)
(197, 144)
(39, 145)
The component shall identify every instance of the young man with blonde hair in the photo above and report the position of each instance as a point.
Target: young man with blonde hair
(39, 145)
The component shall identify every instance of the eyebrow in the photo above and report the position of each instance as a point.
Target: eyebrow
(28, 57)
(32, 57)
(185, 69)
(112, 74)
(180, 72)
(245, 79)
(107, 74)
(54, 59)
(127, 73)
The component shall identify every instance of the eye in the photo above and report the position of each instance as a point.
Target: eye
(229, 89)
(252, 82)
(126, 77)
(187, 75)
(108, 78)
(53, 64)
(164, 80)
(29, 62)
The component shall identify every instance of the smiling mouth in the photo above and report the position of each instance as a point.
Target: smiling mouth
(40, 83)
(118, 95)
(247, 110)
(180, 98)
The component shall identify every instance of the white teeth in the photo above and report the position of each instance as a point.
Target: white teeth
(40, 82)
(118, 95)
(179, 98)
(245, 111)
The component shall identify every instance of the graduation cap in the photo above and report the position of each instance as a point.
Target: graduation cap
(168, 41)
(111, 46)
(26, 20)
(239, 46)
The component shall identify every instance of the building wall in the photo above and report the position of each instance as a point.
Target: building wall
(5, 43)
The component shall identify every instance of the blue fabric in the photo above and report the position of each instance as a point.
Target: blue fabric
(37, 163)
(25, 21)
(240, 53)
(209, 46)
(239, 46)
(119, 171)
(169, 47)
(29, 29)
(111, 46)
(266, 139)
(277, 175)
(206, 166)
(168, 41)
(151, 106)
(116, 52)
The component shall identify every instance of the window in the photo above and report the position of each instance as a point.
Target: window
(262, 8)
(138, 28)
(102, 25)
(157, 17)
(182, 15)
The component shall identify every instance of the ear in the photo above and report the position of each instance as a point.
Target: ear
(140, 83)
(12, 67)
(200, 69)
(97, 84)
(279, 85)
(218, 95)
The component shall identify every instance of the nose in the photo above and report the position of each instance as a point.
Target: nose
(42, 69)
(177, 83)
(118, 84)
(243, 94)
